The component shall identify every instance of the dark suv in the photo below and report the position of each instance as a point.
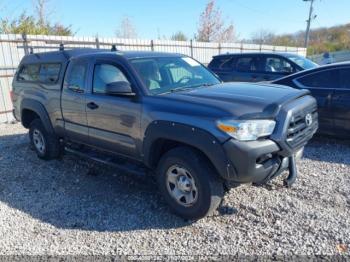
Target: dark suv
(163, 113)
(256, 67)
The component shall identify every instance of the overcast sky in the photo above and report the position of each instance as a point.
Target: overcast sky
(153, 18)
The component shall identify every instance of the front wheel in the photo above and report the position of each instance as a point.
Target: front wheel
(46, 145)
(189, 185)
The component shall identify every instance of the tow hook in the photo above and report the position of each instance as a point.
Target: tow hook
(293, 173)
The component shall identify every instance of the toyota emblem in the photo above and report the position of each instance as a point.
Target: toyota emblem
(308, 119)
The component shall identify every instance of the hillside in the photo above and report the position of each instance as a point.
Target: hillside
(322, 40)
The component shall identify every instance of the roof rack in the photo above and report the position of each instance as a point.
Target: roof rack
(62, 48)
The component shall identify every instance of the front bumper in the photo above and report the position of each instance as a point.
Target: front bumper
(259, 161)
(255, 161)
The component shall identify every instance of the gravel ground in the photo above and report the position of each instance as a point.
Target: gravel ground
(60, 208)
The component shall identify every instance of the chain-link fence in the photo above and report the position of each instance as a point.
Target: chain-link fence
(335, 57)
(14, 47)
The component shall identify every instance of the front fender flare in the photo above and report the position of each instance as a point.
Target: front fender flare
(189, 135)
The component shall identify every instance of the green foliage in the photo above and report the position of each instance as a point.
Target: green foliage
(28, 24)
(179, 36)
(321, 39)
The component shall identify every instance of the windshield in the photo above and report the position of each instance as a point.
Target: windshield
(170, 74)
(302, 61)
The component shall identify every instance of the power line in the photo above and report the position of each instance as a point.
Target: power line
(267, 13)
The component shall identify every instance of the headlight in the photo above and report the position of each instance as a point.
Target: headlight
(247, 130)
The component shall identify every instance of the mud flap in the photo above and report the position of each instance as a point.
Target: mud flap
(293, 173)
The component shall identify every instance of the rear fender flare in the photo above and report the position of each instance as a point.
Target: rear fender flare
(40, 110)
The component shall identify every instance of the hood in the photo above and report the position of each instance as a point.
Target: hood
(242, 100)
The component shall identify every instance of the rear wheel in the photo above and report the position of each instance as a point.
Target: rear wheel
(46, 145)
(189, 185)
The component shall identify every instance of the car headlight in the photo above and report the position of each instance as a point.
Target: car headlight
(247, 130)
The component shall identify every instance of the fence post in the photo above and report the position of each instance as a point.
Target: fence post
(25, 44)
(3, 102)
(152, 45)
(97, 43)
(241, 47)
(191, 47)
(219, 47)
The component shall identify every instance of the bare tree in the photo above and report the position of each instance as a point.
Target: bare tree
(228, 35)
(126, 29)
(263, 36)
(212, 27)
(41, 8)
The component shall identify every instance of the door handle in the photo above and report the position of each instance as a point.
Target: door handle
(92, 106)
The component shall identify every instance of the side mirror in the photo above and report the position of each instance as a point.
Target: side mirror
(119, 88)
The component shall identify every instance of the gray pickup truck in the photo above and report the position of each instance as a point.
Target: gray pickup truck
(149, 111)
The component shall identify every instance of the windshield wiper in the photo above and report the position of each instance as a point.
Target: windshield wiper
(178, 89)
(184, 88)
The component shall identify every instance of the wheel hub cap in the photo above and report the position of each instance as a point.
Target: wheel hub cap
(181, 185)
(38, 141)
(184, 184)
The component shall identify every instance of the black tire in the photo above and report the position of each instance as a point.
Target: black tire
(51, 149)
(209, 186)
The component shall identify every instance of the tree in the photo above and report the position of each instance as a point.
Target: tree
(41, 10)
(211, 26)
(262, 37)
(37, 24)
(228, 35)
(126, 29)
(322, 40)
(179, 36)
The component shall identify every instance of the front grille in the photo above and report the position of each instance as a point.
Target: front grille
(299, 132)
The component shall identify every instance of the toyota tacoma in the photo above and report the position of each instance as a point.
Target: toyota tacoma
(164, 113)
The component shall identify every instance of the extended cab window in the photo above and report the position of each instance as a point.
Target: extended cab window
(49, 73)
(75, 79)
(105, 74)
(29, 73)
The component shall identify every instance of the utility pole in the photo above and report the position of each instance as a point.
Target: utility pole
(311, 17)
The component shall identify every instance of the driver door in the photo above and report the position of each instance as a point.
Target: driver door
(113, 121)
